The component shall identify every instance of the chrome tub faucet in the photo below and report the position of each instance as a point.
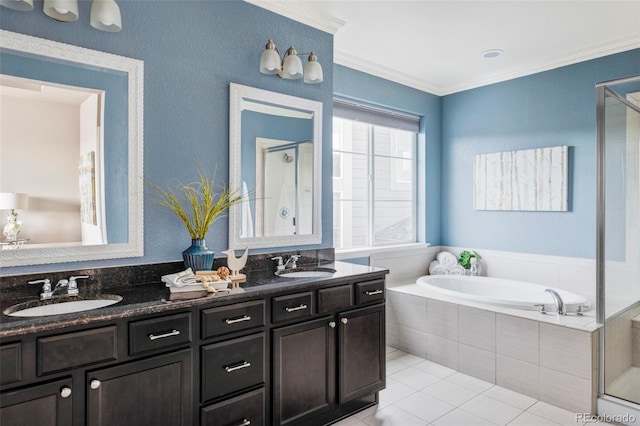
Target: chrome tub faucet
(558, 301)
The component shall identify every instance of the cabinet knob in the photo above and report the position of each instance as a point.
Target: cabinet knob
(95, 384)
(332, 324)
(344, 320)
(65, 392)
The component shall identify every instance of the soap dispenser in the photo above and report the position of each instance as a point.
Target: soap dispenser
(473, 269)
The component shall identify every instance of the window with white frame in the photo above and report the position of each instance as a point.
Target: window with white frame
(374, 176)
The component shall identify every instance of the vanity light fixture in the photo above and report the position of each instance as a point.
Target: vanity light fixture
(61, 10)
(21, 5)
(290, 66)
(105, 14)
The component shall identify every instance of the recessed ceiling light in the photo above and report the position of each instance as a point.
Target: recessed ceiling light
(492, 53)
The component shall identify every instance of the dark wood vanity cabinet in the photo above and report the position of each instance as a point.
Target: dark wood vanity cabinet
(325, 363)
(303, 370)
(306, 355)
(154, 391)
(48, 404)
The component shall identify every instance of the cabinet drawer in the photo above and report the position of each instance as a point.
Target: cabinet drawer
(335, 299)
(232, 365)
(246, 409)
(10, 363)
(293, 306)
(65, 351)
(369, 291)
(227, 319)
(157, 333)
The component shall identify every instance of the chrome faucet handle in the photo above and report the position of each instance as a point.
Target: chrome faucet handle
(280, 266)
(294, 259)
(541, 308)
(46, 288)
(73, 285)
(580, 311)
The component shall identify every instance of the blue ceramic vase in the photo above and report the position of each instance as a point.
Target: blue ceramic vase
(198, 257)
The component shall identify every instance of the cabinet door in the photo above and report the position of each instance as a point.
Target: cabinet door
(42, 405)
(303, 370)
(154, 391)
(362, 352)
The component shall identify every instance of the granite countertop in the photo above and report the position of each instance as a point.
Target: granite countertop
(155, 297)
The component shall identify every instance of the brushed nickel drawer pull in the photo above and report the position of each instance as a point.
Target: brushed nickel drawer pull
(297, 308)
(172, 333)
(240, 366)
(245, 422)
(235, 320)
(65, 392)
(373, 293)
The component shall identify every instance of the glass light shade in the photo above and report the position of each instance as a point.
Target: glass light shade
(105, 16)
(21, 5)
(269, 62)
(292, 67)
(313, 72)
(13, 201)
(61, 10)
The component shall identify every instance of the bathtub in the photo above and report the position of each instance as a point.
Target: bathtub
(501, 292)
(488, 328)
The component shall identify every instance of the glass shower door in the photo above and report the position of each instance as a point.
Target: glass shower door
(618, 256)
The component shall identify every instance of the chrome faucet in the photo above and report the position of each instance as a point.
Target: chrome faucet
(291, 262)
(72, 289)
(71, 285)
(557, 300)
(280, 266)
(293, 259)
(46, 288)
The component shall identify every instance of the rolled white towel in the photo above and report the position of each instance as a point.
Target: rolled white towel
(181, 279)
(447, 259)
(435, 268)
(456, 270)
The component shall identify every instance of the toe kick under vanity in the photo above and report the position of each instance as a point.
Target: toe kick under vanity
(283, 351)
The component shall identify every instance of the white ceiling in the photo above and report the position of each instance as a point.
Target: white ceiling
(437, 46)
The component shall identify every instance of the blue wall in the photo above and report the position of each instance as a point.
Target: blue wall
(551, 108)
(365, 87)
(192, 51)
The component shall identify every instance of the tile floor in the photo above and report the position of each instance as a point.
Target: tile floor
(423, 393)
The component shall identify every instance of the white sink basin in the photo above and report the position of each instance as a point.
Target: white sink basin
(50, 307)
(306, 273)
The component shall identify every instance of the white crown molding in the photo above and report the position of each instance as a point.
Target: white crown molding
(617, 46)
(299, 12)
(360, 64)
(381, 71)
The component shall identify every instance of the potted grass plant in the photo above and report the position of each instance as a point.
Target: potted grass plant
(198, 204)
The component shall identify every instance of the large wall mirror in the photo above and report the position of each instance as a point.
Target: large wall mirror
(275, 158)
(71, 142)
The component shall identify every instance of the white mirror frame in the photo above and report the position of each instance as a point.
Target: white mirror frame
(237, 93)
(134, 68)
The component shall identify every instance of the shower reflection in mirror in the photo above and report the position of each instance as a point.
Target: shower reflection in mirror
(284, 184)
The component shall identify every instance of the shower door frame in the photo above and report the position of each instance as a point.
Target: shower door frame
(607, 404)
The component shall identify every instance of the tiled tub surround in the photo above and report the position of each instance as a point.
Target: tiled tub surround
(550, 358)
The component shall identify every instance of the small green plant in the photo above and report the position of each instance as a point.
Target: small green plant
(465, 258)
(198, 204)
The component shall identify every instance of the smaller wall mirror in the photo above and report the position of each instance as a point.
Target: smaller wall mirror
(275, 159)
